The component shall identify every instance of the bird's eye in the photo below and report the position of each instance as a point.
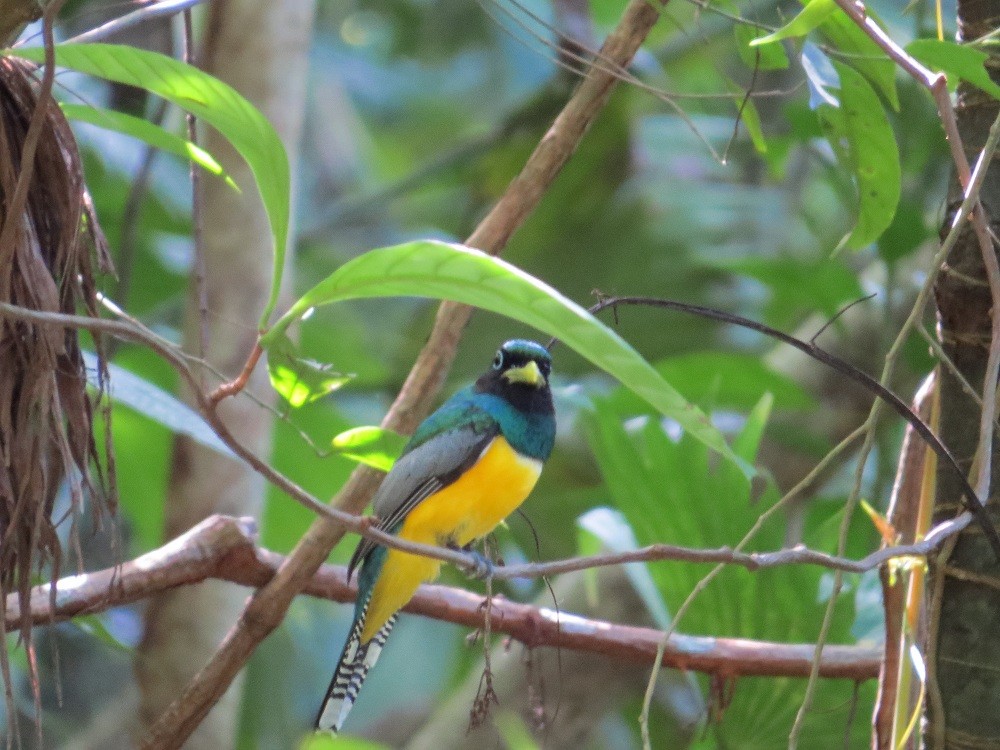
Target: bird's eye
(498, 361)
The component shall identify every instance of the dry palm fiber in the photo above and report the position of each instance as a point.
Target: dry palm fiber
(48, 236)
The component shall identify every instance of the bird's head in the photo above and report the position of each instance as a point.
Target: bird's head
(520, 366)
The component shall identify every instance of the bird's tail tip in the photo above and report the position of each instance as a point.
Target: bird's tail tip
(351, 672)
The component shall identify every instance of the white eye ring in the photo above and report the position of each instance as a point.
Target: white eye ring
(498, 361)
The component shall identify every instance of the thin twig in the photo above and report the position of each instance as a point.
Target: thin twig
(838, 582)
(877, 387)
(149, 13)
(948, 364)
(232, 387)
(197, 235)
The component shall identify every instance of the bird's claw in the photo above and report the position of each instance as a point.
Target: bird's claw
(480, 566)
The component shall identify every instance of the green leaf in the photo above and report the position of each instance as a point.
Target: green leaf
(751, 120)
(155, 403)
(864, 55)
(610, 527)
(148, 132)
(957, 61)
(94, 625)
(670, 492)
(300, 380)
(209, 99)
(810, 17)
(448, 271)
(514, 732)
(762, 57)
(874, 156)
(374, 446)
(327, 741)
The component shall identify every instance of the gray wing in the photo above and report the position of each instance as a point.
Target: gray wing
(420, 473)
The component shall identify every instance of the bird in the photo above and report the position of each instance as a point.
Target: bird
(467, 467)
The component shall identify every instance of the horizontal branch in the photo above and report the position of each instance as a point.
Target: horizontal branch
(752, 561)
(224, 548)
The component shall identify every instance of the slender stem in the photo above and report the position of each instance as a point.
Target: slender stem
(876, 387)
(154, 10)
(197, 234)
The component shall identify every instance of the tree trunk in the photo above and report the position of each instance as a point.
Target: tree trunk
(260, 48)
(963, 706)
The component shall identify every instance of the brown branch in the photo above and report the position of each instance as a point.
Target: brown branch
(894, 607)
(268, 605)
(233, 387)
(224, 548)
(903, 517)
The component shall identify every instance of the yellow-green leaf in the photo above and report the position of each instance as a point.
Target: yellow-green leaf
(811, 16)
(374, 446)
(148, 132)
(298, 379)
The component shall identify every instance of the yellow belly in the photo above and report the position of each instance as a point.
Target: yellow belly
(468, 508)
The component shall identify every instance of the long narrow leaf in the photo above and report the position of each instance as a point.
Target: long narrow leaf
(449, 271)
(209, 99)
(147, 132)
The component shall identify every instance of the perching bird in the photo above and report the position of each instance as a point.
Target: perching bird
(467, 467)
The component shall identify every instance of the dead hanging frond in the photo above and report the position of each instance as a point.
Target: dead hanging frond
(48, 237)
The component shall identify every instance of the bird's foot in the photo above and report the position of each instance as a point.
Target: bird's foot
(479, 566)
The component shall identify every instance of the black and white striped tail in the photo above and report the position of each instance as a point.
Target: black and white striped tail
(351, 672)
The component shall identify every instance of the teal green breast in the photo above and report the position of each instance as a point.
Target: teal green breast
(529, 433)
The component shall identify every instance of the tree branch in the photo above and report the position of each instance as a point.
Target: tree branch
(224, 548)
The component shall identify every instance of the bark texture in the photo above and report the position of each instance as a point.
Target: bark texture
(963, 710)
(260, 48)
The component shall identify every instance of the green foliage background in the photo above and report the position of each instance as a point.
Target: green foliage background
(413, 130)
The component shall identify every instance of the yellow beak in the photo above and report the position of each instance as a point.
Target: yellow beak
(529, 374)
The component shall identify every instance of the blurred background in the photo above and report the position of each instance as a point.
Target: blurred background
(417, 113)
